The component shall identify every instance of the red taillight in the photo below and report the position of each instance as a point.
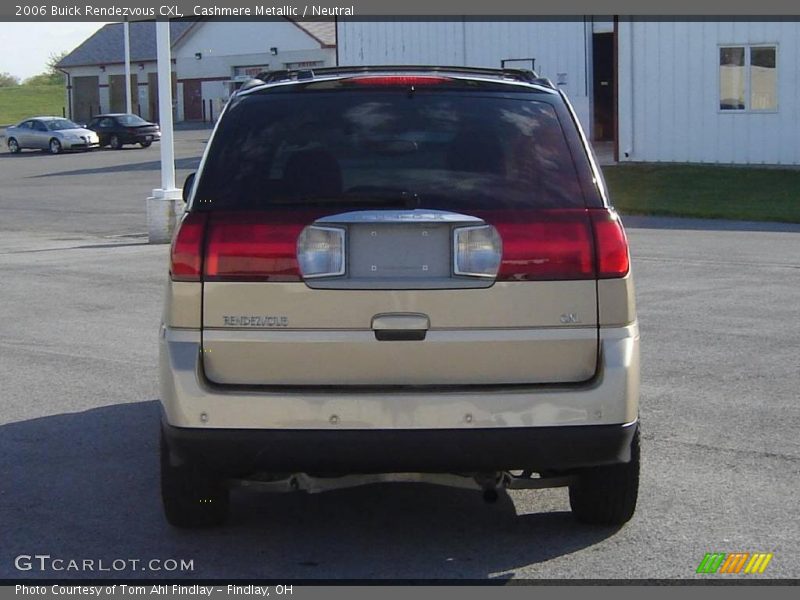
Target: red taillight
(253, 247)
(560, 244)
(186, 253)
(400, 80)
(544, 244)
(537, 245)
(611, 243)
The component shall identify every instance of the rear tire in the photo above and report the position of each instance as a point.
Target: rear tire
(115, 142)
(607, 495)
(13, 146)
(192, 497)
(145, 144)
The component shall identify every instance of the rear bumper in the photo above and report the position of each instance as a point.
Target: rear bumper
(237, 430)
(133, 138)
(240, 452)
(138, 139)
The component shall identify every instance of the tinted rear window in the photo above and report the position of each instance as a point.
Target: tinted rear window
(355, 149)
(131, 121)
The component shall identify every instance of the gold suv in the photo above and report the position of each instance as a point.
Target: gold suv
(399, 274)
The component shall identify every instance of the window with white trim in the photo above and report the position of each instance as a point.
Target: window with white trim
(748, 78)
(249, 70)
(306, 64)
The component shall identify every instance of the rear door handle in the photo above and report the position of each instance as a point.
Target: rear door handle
(397, 327)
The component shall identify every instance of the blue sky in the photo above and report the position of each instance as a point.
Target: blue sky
(26, 47)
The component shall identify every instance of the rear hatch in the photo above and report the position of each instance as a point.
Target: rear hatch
(395, 233)
(137, 126)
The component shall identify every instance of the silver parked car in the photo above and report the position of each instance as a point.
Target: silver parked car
(54, 134)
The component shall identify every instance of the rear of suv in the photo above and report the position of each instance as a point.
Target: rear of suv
(395, 273)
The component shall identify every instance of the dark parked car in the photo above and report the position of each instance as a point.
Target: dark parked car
(118, 129)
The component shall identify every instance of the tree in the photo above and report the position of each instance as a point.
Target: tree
(8, 80)
(52, 74)
(53, 61)
(44, 79)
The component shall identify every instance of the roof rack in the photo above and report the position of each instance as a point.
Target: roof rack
(523, 75)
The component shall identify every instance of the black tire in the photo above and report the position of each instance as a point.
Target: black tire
(115, 142)
(13, 146)
(54, 146)
(607, 495)
(191, 496)
(145, 144)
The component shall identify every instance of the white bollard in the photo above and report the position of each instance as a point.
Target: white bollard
(164, 211)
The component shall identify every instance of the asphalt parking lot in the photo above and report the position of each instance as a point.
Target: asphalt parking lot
(80, 300)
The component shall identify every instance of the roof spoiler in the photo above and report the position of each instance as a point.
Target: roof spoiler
(522, 75)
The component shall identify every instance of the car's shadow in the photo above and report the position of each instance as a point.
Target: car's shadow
(30, 153)
(190, 163)
(85, 486)
(153, 165)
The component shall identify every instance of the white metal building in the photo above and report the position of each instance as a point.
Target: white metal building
(679, 91)
(709, 91)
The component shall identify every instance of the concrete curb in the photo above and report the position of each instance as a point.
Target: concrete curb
(690, 223)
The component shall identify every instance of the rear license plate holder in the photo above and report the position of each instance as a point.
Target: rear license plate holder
(399, 251)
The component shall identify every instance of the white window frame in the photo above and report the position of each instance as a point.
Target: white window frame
(316, 63)
(747, 89)
(261, 68)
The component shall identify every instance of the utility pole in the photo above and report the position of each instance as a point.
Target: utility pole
(165, 205)
(127, 66)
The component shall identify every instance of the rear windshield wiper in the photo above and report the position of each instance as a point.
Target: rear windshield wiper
(388, 197)
(408, 198)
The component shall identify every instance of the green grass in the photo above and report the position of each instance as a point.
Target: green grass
(708, 192)
(22, 101)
